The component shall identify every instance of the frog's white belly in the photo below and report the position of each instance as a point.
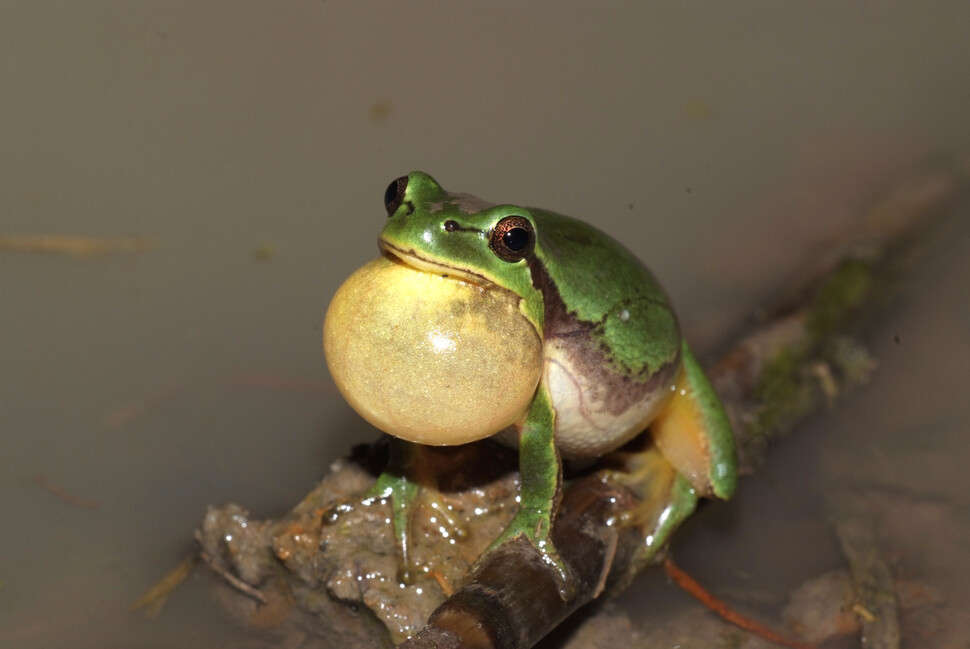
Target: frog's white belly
(596, 411)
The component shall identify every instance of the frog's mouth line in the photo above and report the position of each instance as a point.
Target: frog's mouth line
(409, 258)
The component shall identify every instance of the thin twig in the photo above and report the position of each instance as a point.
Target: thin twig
(154, 598)
(728, 614)
(62, 493)
(232, 579)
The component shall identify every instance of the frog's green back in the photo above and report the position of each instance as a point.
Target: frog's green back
(603, 286)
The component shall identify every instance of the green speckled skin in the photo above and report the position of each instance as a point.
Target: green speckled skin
(612, 284)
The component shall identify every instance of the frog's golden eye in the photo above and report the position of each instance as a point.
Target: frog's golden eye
(394, 194)
(512, 238)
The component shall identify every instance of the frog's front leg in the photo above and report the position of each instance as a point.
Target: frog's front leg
(400, 488)
(540, 481)
(399, 485)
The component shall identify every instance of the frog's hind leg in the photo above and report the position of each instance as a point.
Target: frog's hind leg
(694, 435)
(692, 457)
(664, 499)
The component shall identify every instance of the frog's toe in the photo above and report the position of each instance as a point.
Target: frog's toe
(402, 496)
(537, 530)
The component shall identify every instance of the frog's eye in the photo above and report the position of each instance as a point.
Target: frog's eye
(513, 238)
(394, 194)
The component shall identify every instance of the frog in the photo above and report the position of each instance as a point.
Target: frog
(494, 320)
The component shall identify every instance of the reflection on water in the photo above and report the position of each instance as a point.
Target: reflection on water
(154, 382)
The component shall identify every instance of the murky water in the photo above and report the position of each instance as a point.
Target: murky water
(251, 144)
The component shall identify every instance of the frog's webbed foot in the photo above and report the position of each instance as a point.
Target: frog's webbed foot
(665, 499)
(535, 526)
(401, 494)
(398, 490)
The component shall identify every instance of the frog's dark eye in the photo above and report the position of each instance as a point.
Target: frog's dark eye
(394, 194)
(512, 238)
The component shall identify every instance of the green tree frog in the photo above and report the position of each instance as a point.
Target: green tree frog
(484, 319)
